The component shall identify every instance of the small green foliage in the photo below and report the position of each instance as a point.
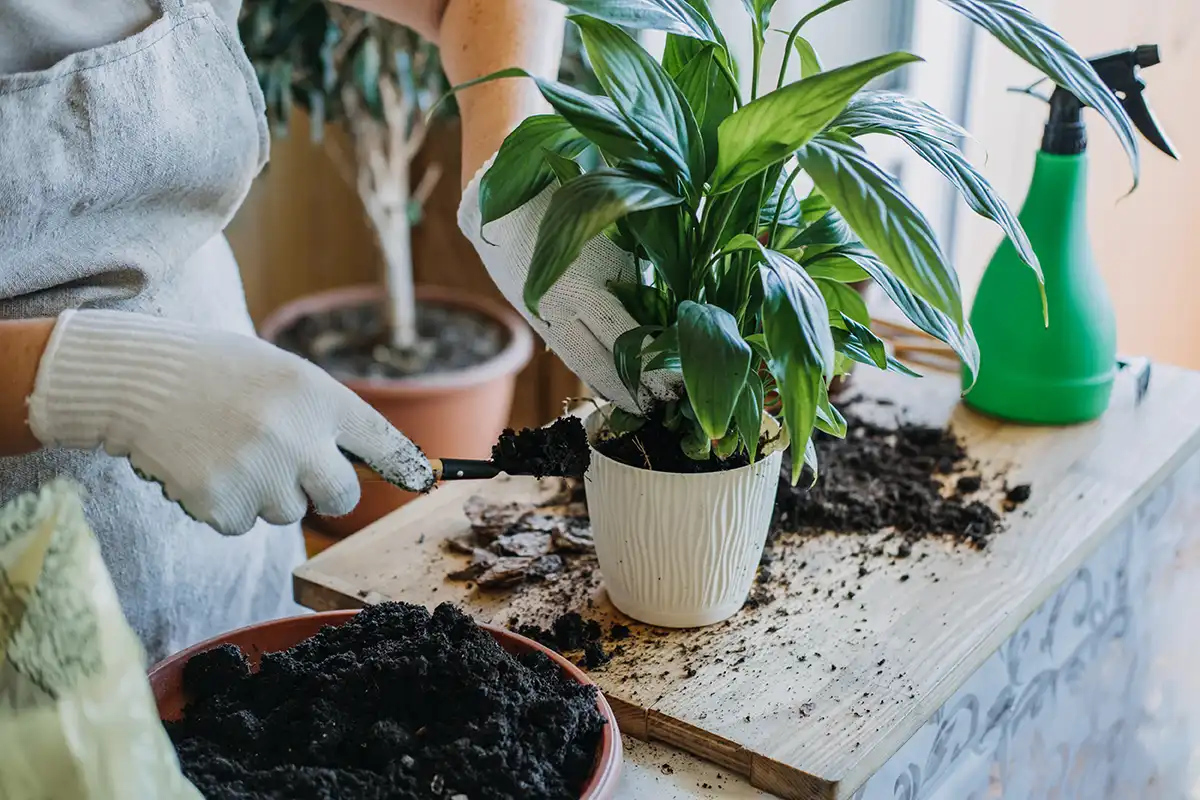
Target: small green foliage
(750, 297)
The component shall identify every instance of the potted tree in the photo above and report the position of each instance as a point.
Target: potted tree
(439, 364)
(746, 284)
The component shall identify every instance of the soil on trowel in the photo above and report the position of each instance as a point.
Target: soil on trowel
(653, 446)
(352, 342)
(513, 543)
(559, 450)
(916, 479)
(397, 703)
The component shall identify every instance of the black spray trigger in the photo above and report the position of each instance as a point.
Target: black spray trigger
(1141, 373)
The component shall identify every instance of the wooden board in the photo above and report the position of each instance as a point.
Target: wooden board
(810, 694)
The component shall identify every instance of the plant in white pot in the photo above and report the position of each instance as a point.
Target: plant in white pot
(439, 363)
(745, 287)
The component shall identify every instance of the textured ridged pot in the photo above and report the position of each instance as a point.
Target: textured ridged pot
(676, 550)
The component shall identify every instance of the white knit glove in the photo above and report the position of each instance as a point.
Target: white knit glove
(581, 318)
(231, 426)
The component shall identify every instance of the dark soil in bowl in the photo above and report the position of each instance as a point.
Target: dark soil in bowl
(397, 704)
(655, 447)
(352, 343)
(559, 450)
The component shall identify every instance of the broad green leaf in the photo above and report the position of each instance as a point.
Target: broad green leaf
(833, 266)
(660, 231)
(645, 304)
(715, 363)
(627, 356)
(815, 206)
(743, 241)
(621, 421)
(728, 445)
(920, 313)
(710, 97)
(872, 346)
(651, 103)
(696, 443)
(1041, 47)
(592, 116)
(790, 213)
(769, 129)
(810, 62)
(673, 16)
(520, 171)
(887, 112)
(843, 300)
(886, 221)
(679, 52)
(794, 316)
(565, 169)
(935, 139)
(663, 352)
(810, 461)
(824, 235)
(747, 415)
(580, 211)
(829, 419)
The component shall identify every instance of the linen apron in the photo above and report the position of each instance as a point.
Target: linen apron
(122, 158)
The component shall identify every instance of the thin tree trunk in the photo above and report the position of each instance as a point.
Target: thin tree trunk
(395, 244)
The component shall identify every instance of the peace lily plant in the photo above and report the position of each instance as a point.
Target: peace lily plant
(748, 291)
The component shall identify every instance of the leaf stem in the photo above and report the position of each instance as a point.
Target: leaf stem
(731, 79)
(758, 48)
(795, 32)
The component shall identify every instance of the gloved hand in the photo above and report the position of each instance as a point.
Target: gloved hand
(231, 426)
(581, 318)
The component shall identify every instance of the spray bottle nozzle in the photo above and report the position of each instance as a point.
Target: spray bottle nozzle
(1065, 133)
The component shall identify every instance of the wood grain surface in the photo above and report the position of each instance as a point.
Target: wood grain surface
(812, 691)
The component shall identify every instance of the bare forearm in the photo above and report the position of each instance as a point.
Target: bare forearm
(481, 36)
(21, 346)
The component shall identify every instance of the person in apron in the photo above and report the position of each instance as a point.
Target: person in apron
(130, 132)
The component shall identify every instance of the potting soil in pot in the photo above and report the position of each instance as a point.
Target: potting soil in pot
(351, 342)
(397, 704)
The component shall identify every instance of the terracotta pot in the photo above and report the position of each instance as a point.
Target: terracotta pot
(452, 414)
(166, 679)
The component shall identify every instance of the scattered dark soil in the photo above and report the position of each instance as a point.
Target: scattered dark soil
(396, 704)
(352, 342)
(560, 450)
(653, 446)
(1019, 494)
(888, 477)
(570, 634)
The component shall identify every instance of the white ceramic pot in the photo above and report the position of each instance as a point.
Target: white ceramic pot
(675, 550)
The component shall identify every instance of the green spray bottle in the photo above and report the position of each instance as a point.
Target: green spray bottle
(1060, 373)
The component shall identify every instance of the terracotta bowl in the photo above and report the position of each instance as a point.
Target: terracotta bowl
(166, 679)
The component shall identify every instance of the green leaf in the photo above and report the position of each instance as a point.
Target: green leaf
(627, 356)
(743, 241)
(649, 100)
(760, 13)
(843, 300)
(645, 304)
(747, 414)
(1028, 37)
(660, 232)
(893, 113)
(934, 138)
(565, 169)
(366, 65)
(715, 363)
(709, 95)
(621, 421)
(886, 220)
(521, 171)
(833, 266)
(829, 419)
(594, 117)
(769, 129)
(696, 443)
(577, 213)
(870, 344)
(790, 214)
(815, 206)
(810, 62)
(673, 16)
(920, 313)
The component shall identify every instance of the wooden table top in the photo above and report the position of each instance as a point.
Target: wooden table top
(809, 695)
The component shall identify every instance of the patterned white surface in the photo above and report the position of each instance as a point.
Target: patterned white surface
(1096, 696)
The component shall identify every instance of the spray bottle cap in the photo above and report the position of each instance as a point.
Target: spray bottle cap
(1065, 132)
